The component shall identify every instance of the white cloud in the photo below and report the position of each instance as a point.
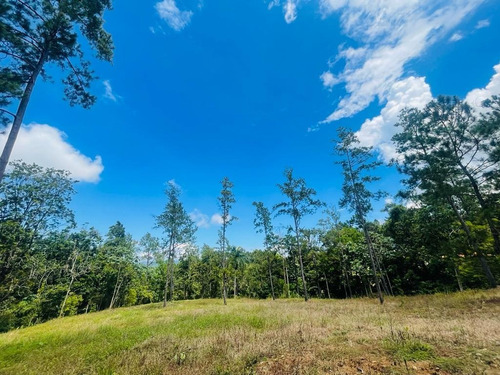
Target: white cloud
(174, 17)
(377, 132)
(477, 96)
(412, 92)
(272, 4)
(290, 9)
(108, 91)
(175, 184)
(482, 24)
(328, 79)
(47, 146)
(456, 37)
(203, 220)
(216, 219)
(390, 34)
(199, 218)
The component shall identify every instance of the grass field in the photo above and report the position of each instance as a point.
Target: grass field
(439, 334)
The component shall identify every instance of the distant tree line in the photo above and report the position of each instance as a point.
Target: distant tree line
(445, 237)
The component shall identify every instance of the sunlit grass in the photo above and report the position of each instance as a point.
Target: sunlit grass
(446, 334)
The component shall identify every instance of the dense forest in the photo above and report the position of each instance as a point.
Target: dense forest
(443, 236)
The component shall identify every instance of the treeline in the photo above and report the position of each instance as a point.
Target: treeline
(444, 238)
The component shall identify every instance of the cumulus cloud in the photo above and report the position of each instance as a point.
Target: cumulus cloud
(47, 146)
(389, 34)
(216, 219)
(200, 219)
(412, 92)
(477, 96)
(203, 220)
(328, 79)
(174, 17)
(378, 131)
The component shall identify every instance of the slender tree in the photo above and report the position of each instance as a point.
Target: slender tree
(225, 200)
(264, 225)
(80, 260)
(38, 33)
(355, 163)
(300, 203)
(149, 246)
(178, 229)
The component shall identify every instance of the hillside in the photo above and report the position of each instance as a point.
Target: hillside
(439, 334)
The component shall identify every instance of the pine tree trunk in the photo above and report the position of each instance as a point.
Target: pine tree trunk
(21, 111)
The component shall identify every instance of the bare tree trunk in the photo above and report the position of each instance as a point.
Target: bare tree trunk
(327, 287)
(172, 274)
(270, 277)
(348, 283)
(304, 283)
(284, 276)
(374, 268)
(224, 287)
(234, 287)
(167, 282)
(61, 312)
(116, 289)
(21, 111)
(459, 282)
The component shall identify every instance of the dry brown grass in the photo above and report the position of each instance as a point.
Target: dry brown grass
(440, 334)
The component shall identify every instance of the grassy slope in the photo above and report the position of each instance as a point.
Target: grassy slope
(442, 334)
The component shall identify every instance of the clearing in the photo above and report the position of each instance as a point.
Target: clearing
(439, 334)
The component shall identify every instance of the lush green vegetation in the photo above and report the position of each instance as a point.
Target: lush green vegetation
(445, 240)
(444, 334)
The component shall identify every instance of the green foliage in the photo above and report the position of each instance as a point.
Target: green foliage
(36, 33)
(72, 304)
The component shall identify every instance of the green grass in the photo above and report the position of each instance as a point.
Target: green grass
(452, 334)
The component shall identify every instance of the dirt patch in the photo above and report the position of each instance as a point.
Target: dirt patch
(309, 364)
(494, 301)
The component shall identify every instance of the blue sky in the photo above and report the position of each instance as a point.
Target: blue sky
(199, 90)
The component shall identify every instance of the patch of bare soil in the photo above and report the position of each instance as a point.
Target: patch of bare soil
(294, 364)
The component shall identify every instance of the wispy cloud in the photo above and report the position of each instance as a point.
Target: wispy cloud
(174, 17)
(48, 146)
(482, 24)
(108, 92)
(203, 220)
(290, 9)
(389, 34)
(456, 37)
